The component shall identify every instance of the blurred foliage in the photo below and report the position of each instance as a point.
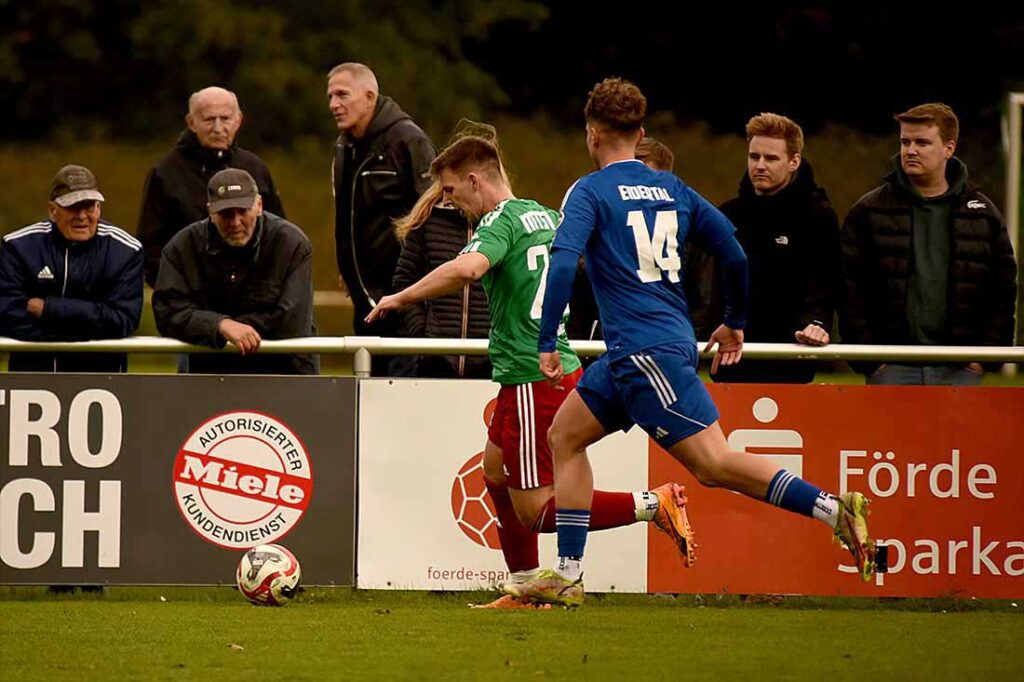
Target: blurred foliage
(125, 68)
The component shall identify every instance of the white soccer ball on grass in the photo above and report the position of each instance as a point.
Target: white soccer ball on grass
(268, 575)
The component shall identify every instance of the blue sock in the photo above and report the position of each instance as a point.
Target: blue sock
(792, 493)
(572, 525)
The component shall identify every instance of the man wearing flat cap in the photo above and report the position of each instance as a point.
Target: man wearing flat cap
(72, 277)
(238, 277)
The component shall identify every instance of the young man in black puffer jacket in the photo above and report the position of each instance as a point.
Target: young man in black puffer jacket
(927, 259)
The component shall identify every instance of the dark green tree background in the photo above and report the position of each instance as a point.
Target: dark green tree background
(125, 68)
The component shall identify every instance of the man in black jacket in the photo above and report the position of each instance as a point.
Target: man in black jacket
(175, 191)
(381, 167)
(790, 233)
(70, 278)
(927, 259)
(240, 276)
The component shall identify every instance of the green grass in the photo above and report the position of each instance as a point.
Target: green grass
(345, 634)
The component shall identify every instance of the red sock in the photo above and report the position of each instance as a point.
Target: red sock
(608, 510)
(518, 544)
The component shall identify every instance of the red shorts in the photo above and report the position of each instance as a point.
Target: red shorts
(519, 426)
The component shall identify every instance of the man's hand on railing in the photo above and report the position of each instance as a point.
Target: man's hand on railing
(240, 334)
(730, 346)
(388, 303)
(812, 335)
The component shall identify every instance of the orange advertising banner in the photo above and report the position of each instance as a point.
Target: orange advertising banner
(943, 466)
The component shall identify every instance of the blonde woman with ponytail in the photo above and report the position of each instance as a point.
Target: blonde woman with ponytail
(431, 234)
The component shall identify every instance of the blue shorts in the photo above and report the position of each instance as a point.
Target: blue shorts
(657, 388)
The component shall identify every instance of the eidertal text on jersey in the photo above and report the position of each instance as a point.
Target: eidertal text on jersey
(638, 192)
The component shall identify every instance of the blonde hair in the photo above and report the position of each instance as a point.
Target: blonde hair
(779, 127)
(473, 143)
(420, 211)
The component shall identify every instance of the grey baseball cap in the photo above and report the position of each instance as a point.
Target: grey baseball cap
(73, 184)
(231, 188)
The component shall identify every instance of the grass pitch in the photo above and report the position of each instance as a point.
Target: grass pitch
(212, 633)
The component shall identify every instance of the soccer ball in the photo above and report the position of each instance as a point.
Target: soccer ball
(268, 575)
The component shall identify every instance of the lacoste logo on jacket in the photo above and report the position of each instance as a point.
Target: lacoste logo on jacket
(783, 240)
(45, 273)
(974, 203)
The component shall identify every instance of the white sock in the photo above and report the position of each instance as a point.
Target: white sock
(826, 509)
(646, 505)
(524, 576)
(570, 569)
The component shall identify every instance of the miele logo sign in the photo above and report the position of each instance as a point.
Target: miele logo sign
(242, 479)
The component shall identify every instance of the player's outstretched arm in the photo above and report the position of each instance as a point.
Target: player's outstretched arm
(445, 279)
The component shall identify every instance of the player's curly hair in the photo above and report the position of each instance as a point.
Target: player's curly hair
(616, 104)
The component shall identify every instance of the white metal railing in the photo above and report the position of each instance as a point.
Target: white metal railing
(363, 346)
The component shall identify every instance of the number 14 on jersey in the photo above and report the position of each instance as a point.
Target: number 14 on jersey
(657, 253)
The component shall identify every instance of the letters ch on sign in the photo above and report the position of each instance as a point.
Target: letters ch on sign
(34, 419)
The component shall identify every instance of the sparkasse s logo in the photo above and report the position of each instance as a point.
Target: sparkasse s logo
(242, 479)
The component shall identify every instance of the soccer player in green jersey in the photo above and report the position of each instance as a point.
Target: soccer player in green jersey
(509, 253)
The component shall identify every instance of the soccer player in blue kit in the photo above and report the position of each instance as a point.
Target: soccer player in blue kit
(630, 223)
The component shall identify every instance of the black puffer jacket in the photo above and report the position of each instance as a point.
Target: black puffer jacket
(877, 262)
(377, 179)
(267, 284)
(791, 239)
(462, 315)
(174, 195)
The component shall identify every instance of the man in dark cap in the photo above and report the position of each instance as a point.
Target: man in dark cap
(72, 277)
(240, 276)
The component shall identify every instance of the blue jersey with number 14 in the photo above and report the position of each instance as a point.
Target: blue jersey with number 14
(631, 224)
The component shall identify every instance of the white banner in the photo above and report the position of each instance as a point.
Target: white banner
(423, 523)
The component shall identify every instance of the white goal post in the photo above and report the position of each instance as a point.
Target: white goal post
(1013, 130)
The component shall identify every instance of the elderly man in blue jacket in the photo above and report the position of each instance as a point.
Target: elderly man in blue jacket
(72, 277)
